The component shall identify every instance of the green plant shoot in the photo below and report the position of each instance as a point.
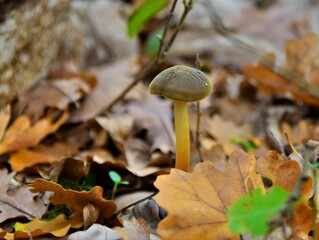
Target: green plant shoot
(117, 179)
(252, 212)
(142, 14)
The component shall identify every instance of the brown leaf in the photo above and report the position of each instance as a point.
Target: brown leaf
(58, 93)
(41, 154)
(58, 227)
(301, 59)
(76, 200)
(224, 131)
(134, 229)
(21, 134)
(287, 175)
(197, 202)
(268, 164)
(4, 119)
(112, 80)
(303, 220)
(17, 202)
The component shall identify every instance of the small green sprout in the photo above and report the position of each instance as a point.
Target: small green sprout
(117, 179)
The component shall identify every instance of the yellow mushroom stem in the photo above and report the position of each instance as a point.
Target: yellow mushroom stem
(182, 161)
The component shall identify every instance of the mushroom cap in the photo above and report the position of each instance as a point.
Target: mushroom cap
(181, 83)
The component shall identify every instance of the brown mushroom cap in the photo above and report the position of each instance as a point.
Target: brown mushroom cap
(181, 83)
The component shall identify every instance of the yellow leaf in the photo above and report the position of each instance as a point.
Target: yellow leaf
(197, 202)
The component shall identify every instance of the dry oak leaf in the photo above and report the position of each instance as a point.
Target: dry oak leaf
(224, 131)
(197, 202)
(41, 154)
(21, 134)
(57, 93)
(287, 176)
(283, 172)
(58, 227)
(80, 202)
(18, 202)
(302, 60)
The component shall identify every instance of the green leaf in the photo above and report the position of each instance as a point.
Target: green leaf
(115, 177)
(124, 182)
(248, 145)
(253, 211)
(152, 42)
(141, 15)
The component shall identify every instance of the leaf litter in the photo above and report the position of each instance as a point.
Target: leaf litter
(58, 144)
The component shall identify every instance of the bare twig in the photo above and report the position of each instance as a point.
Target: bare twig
(162, 51)
(135, 203)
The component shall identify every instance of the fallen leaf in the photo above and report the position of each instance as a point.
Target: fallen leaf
(301, 59)
(76, 200)
(268, 165)
(197, 202)
(112, 80)
(57, 93)
(287, 176)
(18, 201)
(58, 227)
(134, 229)
(303, 220)
(21, 134)
(224, 131)
(5, 114)
(41, 154)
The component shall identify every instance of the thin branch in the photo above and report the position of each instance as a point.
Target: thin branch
(162, 51)
(135, 203)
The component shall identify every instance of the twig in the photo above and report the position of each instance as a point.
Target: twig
(162, 52)
(135, 203)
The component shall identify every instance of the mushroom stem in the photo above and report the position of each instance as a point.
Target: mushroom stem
(182, 136)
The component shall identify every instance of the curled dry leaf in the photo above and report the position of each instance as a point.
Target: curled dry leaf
(78, 201)
(301, 59)
(18, 202)
(58, 227)
(57, 93)
(283, 172)
(197, 202)
(22, 134)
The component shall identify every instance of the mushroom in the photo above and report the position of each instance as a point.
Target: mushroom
(181, 84)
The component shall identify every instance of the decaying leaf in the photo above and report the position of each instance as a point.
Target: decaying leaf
(78, 201)
(4, 119)
(58, 93)
(41, 154)
(197, 202)
(303, 220)
(224, 131)
(58, 227)
(283, 172)
(22, 134)
(287, 176)
(134, 229)
(301, 59)
(18, 202)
